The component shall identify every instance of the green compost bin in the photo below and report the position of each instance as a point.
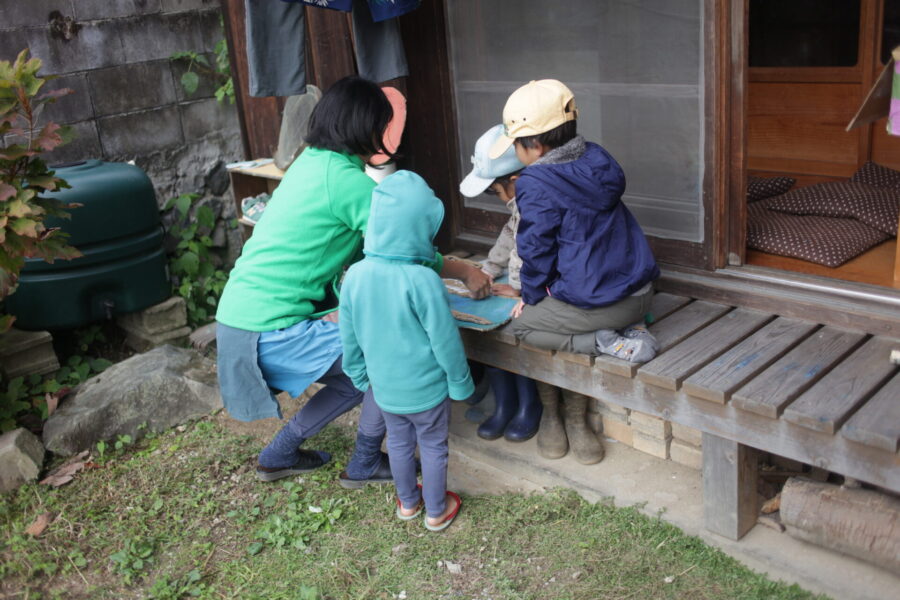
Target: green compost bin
(118, 231)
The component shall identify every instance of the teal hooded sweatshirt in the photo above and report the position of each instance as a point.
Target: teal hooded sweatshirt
(396, 327)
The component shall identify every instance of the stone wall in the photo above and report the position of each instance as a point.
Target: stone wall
(128, 103)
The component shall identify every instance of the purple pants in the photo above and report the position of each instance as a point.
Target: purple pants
(430, 430)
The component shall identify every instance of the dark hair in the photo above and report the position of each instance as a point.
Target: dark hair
(554, 138)
(502, 180)
(351, 117)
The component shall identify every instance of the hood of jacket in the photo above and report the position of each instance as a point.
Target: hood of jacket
(404, 217)
(581, 173)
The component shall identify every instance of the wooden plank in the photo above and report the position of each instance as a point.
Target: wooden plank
(260, 118)
(832, 452)
(430, 139)
(582, 359)
(685, 322)
(877, 423)
(669, 369)
(729, 486)
(536, 350)
(669, 331)
(616, 366)
(720, 378)
(827, 404)
(663, 304)
(795, 372)
(789, 295)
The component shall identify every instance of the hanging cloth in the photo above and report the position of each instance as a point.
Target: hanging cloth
(276, 42)
(893, 124)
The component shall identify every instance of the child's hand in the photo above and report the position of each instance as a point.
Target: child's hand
(505, 290)
(478, 282)
(331, 317)
(517, 309)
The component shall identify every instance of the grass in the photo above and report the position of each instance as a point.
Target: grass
(181, 515)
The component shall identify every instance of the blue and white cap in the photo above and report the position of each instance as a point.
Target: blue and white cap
(485, 169)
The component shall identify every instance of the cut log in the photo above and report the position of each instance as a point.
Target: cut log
(858, 522)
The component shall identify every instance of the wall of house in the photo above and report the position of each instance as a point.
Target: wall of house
(128, 103)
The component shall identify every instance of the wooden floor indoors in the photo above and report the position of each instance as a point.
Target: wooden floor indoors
(876, 266)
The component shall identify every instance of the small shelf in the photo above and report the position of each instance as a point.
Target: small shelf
(252, 181)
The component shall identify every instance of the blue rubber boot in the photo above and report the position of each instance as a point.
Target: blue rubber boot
(368, 464)
(525, 422)
(505, 402)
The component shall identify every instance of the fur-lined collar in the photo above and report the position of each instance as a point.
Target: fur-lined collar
(571, 150)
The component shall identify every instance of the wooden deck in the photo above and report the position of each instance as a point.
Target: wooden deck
(748, 380)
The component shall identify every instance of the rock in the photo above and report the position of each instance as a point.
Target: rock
(21, 457)
(27, 352)
(166, 316)
(161, 388)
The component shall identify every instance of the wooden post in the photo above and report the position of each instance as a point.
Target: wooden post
(729, 486)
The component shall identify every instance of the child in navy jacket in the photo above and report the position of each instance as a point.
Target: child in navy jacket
(587, 270)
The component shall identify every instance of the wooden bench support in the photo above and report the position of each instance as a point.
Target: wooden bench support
(729, 486)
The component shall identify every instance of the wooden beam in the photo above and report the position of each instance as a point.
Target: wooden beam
(781, 437)
(260, 118)
(729, 486)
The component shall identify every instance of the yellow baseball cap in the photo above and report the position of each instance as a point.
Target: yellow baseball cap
(536, 107)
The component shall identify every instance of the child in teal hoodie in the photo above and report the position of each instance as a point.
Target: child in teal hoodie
(400, 337)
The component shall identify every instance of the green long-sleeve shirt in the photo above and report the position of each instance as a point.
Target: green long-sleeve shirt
(312, 227)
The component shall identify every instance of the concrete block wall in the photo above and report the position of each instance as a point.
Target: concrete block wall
(128, 103)
(653, 435)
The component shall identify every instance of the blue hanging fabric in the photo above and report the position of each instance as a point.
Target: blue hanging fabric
(388, 9)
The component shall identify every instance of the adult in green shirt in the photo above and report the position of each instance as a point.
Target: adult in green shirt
(277, 320)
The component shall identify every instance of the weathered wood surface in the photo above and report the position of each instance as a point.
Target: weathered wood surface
(773, 389)
(877, 423)
(835, 453)
(729, 486)
(669, 369)
(686, 321)
(859, 522)
(683, 319)
(663, 304)
(729, 371)
(831, 401)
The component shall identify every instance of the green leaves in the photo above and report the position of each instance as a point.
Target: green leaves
(195, 277)
(23, 175)
(131, 560)
(190, 81)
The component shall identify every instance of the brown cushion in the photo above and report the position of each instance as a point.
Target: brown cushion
(877, 175)
(760, 188)
(824, 240)
(877, 207)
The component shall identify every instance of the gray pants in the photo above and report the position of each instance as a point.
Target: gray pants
(430, 429)
(276, 47)
(552, 324)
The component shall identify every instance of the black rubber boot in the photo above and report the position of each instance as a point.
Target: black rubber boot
(505, 402)
(586, 446)
(525, 422)
(551, 438)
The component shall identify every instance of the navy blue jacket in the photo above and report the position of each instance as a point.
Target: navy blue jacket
(576, 237)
